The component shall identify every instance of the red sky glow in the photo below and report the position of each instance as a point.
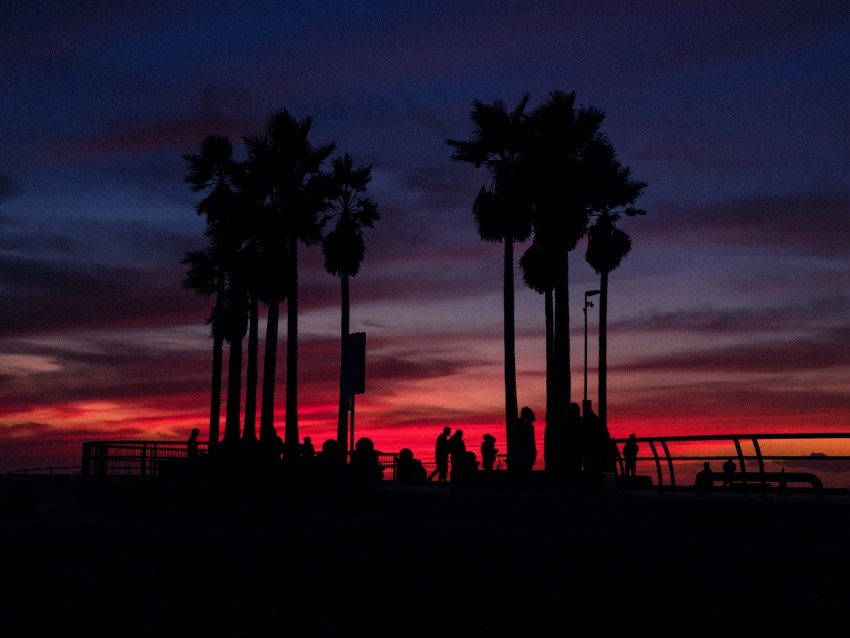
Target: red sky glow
(730, 314)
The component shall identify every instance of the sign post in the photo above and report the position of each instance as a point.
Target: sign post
(353, 379)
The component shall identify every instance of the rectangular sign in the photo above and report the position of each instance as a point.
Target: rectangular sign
(353, 379)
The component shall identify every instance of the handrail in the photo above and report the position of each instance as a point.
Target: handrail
(132, 459)
(143, 459)
(56, 470)
(146, 459)
(666, 457)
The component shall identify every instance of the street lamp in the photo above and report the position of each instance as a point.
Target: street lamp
(587, 304)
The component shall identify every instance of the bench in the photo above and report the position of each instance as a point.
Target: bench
(760, 479)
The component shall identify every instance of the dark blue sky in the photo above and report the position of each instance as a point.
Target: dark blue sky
(732, 308)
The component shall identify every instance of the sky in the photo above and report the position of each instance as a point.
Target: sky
(729, 315)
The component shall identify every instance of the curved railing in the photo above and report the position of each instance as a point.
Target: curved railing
(747, 450)
(673, 459)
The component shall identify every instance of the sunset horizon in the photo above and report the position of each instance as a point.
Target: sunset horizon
(729, 315)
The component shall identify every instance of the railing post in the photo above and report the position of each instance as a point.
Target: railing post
(100, 459)
(657, 467)
(84, 470)
(670, 467)
(740, 451)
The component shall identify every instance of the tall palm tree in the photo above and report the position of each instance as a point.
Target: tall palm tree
(217, 271)
(283, 166)
(252, 268)
(205, 276)
(538, 273)
(561, 132)
(213, 170)
(235, 326)
(607, 245)
(502, 209)
(344, 247)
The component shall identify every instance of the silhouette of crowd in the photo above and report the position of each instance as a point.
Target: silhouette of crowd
(578, 453)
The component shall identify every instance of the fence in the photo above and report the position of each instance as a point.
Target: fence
(673, 459)
(132, 459)
(672, 456)
(152, 459)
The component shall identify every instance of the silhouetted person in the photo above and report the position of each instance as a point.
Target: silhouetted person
(192, 444)
(597, 450)
(729, 468)
(308, 451)
(365, 470)
(409, 470)
(488, 452)
(524, 447)
(457, 454)
(441, 456)
(562, 447)
(331, 453)
(630, 452)
(704, 479)
(467, 470)
(330, 465)
(271, 447)
(574, 439)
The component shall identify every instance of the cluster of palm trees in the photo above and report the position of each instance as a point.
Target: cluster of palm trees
(258, 210)
(552, 177)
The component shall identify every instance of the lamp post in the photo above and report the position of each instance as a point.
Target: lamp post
(587, 304)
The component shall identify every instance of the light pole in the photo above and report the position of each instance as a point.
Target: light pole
(587, 304)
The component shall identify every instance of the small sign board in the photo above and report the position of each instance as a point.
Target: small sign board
(353, 379)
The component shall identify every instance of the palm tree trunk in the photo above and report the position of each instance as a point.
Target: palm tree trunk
(215, 394)
(342, 421)
(217, 364)
(551, 425)
(267, 431)
(250, 428)
(548, 307)
(290, 440)
(234, 393)
(561, 343)
(511, 404)
(602, 399)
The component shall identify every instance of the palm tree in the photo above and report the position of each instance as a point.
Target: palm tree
(252, 267)
(212, 170)
(205, 276)
(235, 326)
(344, 247)
(502, 209)
(538, 273)
(607, 245)
(283, 165)
(561, 133)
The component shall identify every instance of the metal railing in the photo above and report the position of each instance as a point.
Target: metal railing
(132, 459)
(746, 450)
(673, 459)
(149, 459)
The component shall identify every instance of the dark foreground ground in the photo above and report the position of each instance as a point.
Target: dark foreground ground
(435, 562)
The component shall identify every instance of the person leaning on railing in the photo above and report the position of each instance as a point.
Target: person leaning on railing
(192, 444)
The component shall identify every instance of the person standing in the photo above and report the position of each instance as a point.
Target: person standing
(729, 468)
(457, 452)
(441, 456)
(488, 452)
(705, 479)
(630, 452)
(524, 452)
(192, 444)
